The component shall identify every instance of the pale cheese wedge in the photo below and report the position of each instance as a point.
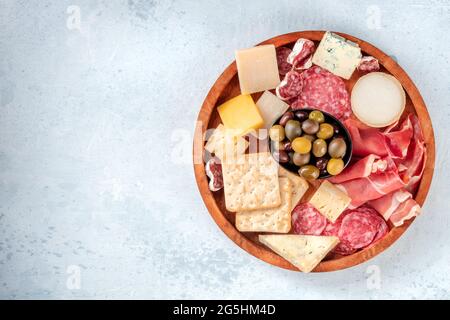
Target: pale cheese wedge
(299, 185)
(330, 201)
(271, 108)
(304, 252)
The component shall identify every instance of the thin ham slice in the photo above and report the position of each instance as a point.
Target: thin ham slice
(361, 169)
(415, 159)
(398, 139)
(372, 187)
(366, 141)
(408, 209)
(389, 203)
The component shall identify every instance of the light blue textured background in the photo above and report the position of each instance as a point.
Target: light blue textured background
(88, 120)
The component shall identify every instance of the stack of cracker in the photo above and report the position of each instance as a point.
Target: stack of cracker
(261, 193)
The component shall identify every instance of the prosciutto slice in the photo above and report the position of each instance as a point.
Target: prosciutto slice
(408, 209)
(372, 187)
(366, 141)
(415, 159)
(390, 166)
(361, 169)
(398, 139)
(389, 203)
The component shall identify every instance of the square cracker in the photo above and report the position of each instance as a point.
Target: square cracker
(224, 144)
(269, 220)
(299, 185)
(251, 183)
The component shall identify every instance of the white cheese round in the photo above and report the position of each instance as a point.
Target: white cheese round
(378, 99)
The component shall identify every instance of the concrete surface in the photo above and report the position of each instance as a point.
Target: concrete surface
(94, 97)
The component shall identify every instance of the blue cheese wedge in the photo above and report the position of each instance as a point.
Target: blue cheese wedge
(337, 55)
(330, 201)
(304, 252)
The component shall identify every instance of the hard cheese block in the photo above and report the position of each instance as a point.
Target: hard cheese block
(304, 252)
(337, 55)
(276, 220)
(225, 145)
(271, 108)
(257, 68)
(330, 201)
(240, 115)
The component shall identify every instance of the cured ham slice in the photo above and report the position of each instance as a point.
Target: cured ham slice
(361, 169)
(408, 209)
(397, 207)
(415, 159)
(388, 204)
(398, 139)
(366, 141)
(390, 169)
(372, 187)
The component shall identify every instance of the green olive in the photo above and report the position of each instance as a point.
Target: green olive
(337, 148)
(319, 148)
(317, 116)
(276, 133)
(326, 131)
(301, 145)
(301, 159)
(293, 129)
(310, 126)
(309, 172)
(335, 166)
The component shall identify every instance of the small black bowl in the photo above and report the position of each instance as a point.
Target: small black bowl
(343, 133)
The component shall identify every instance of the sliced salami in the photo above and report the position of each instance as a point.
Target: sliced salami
(344, 249)
(307, 220)
(324, 91)
(332, 229)
(369, 64)
(382, 229)
(291, 86)
(301, 55)
(283, 65)
(358, 228)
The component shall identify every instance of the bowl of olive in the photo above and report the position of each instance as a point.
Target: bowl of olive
(311, 143)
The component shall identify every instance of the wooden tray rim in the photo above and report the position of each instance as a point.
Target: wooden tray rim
(265, 254)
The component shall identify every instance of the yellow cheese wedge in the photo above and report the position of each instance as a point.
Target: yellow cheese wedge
(240, 115)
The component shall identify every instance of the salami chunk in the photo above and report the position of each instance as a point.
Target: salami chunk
(283, 65)
(301, 55)
(214, 172)
(307, 220)
(324, 91)
(358, 228)
(369, 64)
(291, 86)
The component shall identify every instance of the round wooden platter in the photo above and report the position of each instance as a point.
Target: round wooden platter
(227, 87)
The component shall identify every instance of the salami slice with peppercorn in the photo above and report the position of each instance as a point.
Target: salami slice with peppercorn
(307, 220)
